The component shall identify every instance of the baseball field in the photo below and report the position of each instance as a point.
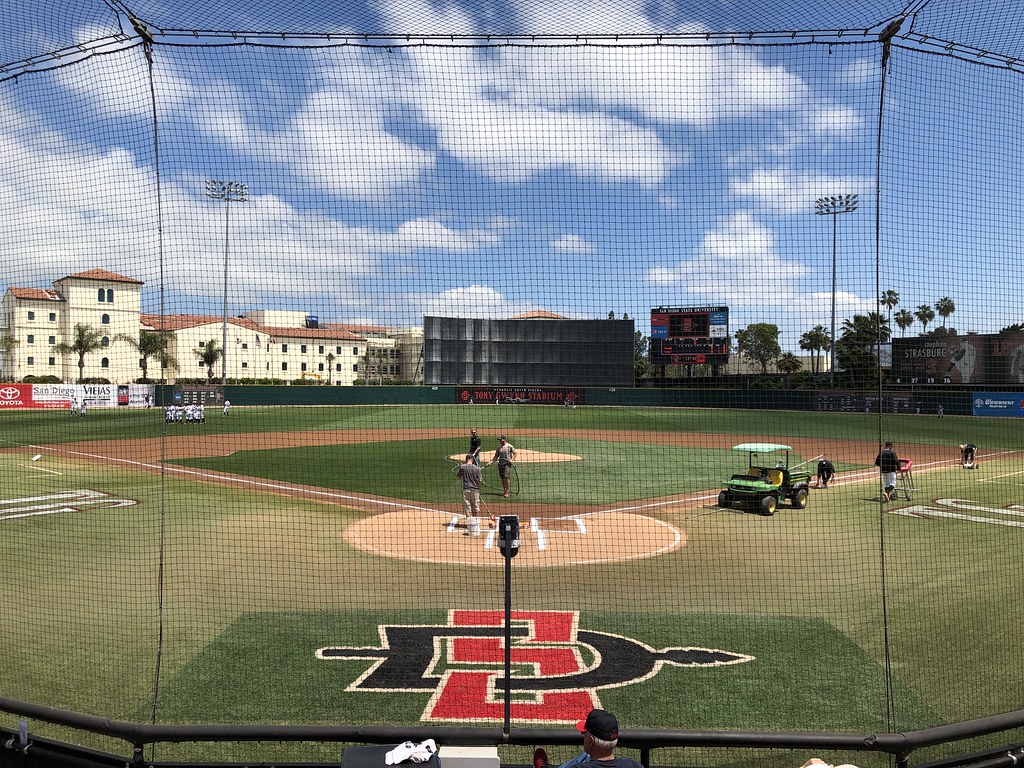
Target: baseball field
(312, 565)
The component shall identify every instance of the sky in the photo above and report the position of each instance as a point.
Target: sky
(387, 182)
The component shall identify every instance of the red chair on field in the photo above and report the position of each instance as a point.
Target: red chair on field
(905, 480)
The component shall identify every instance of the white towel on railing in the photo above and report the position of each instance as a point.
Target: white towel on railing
(418, 753)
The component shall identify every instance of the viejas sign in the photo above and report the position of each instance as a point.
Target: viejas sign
(63, 395)
(560, 668)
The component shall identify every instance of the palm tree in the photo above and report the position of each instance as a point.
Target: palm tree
(7, 345)
(87, 339)
(925, 314)
(817, 341)
(945, 307)
(330, 365)
(788, 363)
(904, 320)
(150, 344)
(209, 355)
(869, 328)
(889, 300)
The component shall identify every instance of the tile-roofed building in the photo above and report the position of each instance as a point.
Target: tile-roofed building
(104, 275)
(40, 319)
(262, 344)
(258, 351)
(37, 294)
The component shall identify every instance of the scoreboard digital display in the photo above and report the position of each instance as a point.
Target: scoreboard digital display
(690, 335)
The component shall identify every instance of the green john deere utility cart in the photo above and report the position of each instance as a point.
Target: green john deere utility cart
(768, 482)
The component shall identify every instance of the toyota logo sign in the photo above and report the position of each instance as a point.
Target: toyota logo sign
(9, 393)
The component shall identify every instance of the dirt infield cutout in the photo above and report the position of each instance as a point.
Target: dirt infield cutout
(439, 537)
(527, 456)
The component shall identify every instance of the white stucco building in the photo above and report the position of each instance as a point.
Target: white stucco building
(261, 344)
(34, 320)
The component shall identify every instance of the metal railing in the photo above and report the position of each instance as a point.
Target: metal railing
(900, 746)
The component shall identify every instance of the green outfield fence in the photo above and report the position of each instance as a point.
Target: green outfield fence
(954, 403)
(662, 248)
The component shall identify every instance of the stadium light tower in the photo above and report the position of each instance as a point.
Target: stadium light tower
(228, 192)
(833, 206)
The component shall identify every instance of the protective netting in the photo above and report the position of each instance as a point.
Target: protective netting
(622, 238)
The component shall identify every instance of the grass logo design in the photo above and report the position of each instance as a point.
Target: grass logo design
(558, 668)
(55, 503)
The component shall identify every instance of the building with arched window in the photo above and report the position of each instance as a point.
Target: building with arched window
(34, 320)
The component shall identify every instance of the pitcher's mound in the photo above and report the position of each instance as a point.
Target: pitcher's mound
(440, 537)
(524, 456)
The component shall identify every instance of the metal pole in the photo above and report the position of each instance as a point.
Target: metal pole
(229, 192)
(833, 206)
(507, 726)
(224, 329)
(832, 344)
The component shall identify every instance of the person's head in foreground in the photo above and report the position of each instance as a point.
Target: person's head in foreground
(600, 733)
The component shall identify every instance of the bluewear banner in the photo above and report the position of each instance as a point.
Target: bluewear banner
(998, 404)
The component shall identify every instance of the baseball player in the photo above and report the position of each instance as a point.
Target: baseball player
(504, 455)
(475, 444)
(826, 470)
(469, 473)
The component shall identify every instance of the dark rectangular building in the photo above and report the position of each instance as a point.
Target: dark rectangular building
(535, 352)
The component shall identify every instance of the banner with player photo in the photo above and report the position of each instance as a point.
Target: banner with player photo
(986, 359)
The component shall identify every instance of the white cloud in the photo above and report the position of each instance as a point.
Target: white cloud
(737, 265)
(672, 85)
(480, 114)
(573, 244)
(782, 190)
(739, 245)
(416, 17)
(825, 119)
(428, 233)
(66, 207)
(469, 301)
(117, 84)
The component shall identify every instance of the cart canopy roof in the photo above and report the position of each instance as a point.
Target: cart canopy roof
(761, 447)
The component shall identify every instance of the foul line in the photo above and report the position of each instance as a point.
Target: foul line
(246, 481)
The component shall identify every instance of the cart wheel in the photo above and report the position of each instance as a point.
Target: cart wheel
(799, 499)
(768, 505)
(723, 499)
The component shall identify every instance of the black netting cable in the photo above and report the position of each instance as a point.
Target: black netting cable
(161, 567)
(889, 683)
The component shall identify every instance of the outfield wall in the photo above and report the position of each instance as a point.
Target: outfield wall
(927, 402)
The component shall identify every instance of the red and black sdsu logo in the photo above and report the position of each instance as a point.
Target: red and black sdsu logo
(462, 665)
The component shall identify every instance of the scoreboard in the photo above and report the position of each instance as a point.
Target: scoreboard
(690, 335)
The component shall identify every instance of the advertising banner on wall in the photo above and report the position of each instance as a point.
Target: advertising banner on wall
(16, 396)
(63, 395)
(998, 404)
(976, 359)
(567, 396)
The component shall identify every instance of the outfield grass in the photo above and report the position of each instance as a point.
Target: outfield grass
(241, 585)
(608, 472)
(52, 426)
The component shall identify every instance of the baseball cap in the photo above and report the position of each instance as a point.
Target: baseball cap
(600, 724)
(501, 437)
